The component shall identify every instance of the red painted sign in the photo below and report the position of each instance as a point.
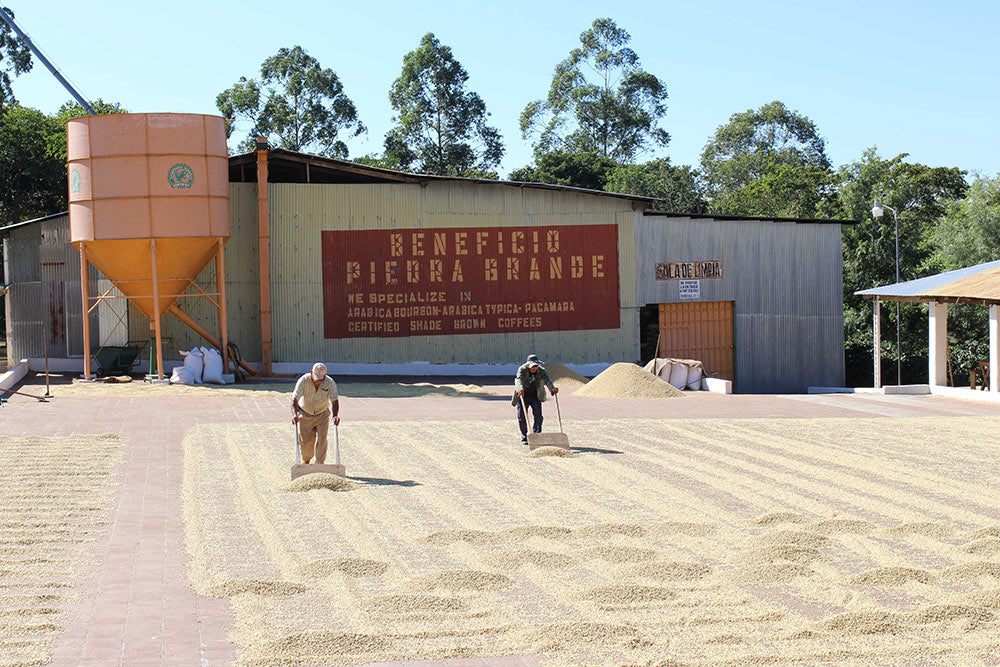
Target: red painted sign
(420, 282)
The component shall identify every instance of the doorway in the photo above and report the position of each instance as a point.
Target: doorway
(701, 330)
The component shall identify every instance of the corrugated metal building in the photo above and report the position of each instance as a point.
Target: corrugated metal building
(370, 267)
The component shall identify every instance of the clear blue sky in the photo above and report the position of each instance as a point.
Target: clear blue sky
(921, 77)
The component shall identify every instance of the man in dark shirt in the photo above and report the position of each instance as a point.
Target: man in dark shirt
(529, 390)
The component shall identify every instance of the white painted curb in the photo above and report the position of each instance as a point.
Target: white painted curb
(14, 375)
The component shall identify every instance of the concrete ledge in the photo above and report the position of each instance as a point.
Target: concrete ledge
(716, 385)
(844, 390)
(14, 375)
(966, 393)
(910, 389)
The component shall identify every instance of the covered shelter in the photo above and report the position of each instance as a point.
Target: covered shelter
(978, 284)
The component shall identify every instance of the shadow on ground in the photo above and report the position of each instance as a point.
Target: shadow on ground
(382, 481)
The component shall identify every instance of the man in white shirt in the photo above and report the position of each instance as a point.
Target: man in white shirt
(313, 401)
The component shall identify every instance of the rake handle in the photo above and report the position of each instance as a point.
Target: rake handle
(558, 412)
(336, 444)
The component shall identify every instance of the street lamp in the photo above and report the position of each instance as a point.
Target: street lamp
(877, 211)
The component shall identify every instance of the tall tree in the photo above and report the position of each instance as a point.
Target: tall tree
(31, 170)
(920, 194)
(676, 189)
(441, 126)
(769, 161)
(969, 231)
(297, 102)
(580, 170)
(600, 100)
(15, 59)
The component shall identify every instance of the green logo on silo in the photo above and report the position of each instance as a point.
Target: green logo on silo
(74, 181)
(180, 176)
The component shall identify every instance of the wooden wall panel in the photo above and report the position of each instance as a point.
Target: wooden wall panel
(701, 330)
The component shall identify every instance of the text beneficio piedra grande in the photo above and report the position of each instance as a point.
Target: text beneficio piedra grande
(470, 280)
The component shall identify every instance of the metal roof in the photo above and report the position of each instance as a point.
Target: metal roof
(973, 284)
(720, 216)
(354, 170)
(31, 222)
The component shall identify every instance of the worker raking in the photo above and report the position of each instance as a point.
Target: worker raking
(314, 401)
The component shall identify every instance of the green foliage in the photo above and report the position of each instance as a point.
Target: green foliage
(297, 102)
(32, 172)
(767, 162)
(969, 231)
(600, 101)
(15, 59)
(440, 124)
(72, 109)
(920, 194)
(580, 170)
(677, 189)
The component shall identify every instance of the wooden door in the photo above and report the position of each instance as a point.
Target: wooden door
(701, 330)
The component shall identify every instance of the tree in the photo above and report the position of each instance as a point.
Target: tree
(72, 109)
(600, 101)
(580, 170)
(676, 189)
(32, 172)
(969, 231)
(440, 124)
(769, 161)
(15, 59)
(920, 194)
(296, 101)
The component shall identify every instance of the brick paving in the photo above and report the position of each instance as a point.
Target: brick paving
(137, 608)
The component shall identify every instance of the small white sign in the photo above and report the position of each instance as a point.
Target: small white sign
(689, 289)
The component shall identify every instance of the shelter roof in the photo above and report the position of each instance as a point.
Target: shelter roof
(973, 284)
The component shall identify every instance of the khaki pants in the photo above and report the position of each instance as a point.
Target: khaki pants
(312, 431)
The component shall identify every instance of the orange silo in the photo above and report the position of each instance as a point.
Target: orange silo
(149, 207)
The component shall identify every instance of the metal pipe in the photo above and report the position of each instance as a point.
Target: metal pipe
(85, 296)
(156, 314)
(263, 254)
(45, 348)
(9, 20)
(220, 286)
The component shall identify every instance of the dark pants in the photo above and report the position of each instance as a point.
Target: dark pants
(535, 405)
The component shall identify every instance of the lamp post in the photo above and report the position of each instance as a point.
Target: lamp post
(877, 211)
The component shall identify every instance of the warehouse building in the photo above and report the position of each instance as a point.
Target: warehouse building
(377, 271)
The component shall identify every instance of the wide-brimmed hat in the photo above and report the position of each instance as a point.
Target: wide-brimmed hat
(533, 360)
(318, 371)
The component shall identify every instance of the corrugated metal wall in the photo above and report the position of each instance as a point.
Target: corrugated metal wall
(45, 295)
(785, 280)
(299, 212)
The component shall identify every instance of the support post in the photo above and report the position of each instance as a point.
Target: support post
(85, 297)
(995, 348)
(263, 254)
(937, 344)
(220, 288)
(156, 313)
(877, 341)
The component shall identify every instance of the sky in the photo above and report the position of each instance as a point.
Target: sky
(918, 77)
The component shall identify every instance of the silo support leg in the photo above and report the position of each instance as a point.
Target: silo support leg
(85, 300)
(156, 312)
(220, 288)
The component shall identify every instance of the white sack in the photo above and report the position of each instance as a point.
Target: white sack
(181, 375)
(679, 375)
(694, 378)
(213, 367)
(195, 362)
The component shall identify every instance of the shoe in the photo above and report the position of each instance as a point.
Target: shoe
(524, 441)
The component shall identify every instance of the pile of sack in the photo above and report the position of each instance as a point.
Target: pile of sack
(681, 373)
(202, 364)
